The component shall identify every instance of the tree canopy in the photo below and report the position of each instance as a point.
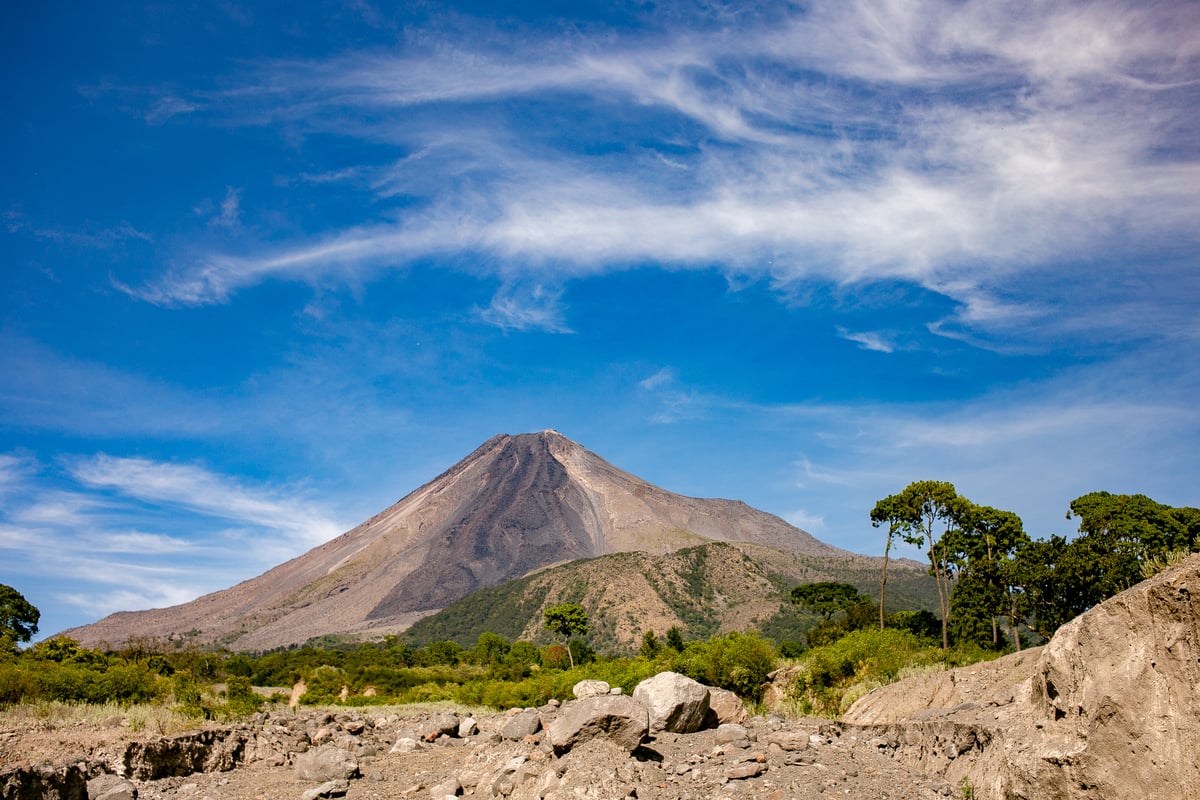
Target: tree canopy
(18, 617)
(827, 597)
(567, 620)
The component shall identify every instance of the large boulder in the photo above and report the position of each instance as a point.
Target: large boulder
(676, 702)
(615, 718)
(724, 707)
(326, 763)
(1116, 689)
(524, 723)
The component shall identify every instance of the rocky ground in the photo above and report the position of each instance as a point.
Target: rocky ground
(307, 755)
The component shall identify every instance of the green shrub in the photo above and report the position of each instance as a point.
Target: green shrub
(863, 657)
(17, 685)
(739, 662)
(128, 683)
(240, 698)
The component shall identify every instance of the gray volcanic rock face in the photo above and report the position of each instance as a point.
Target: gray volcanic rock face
(516, 504)
(525, 520)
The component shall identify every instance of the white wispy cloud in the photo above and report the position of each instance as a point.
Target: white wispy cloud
(805, 520)
(524, 308)
(201, 491)
(111, 533)
(868, 340)
(952, 147)
(229, 215)
(1031, 449)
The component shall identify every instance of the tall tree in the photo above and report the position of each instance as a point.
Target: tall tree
(982, 546)
(1120, 535)
(567, 620)
(923, 514)
(1124, 531)
(886, 510)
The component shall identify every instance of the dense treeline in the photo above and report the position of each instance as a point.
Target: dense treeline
(992, 576)
(495, 673)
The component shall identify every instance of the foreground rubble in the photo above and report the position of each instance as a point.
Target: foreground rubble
(360, 755)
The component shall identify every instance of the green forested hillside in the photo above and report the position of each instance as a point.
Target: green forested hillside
(704, 590)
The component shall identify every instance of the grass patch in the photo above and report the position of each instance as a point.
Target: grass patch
(52, 715)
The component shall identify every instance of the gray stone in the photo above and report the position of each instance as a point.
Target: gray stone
(444, 724)
(616, 718)
(326, 763)
(676, 702)
(336, 788)
(467, 727)
(789, 740)
(742, 771)
(111, 787)
(405, 744)
(730, 732)
(518, 726)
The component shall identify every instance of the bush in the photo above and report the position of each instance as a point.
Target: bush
(240, 698)
(871, 657)
(17, 685)
(739, 662)
(129, 683)
(555, 657)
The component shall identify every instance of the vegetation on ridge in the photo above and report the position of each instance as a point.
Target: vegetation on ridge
(992, 576)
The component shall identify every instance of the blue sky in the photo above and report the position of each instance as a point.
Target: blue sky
(268, 267)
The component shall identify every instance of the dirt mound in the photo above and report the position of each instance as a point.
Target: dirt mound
(1107, 709)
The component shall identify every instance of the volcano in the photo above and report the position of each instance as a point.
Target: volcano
(517, 504)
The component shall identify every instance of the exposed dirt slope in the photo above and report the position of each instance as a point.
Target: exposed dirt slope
(1108, 708)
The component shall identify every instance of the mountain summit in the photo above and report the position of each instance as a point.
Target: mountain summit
(516, 504)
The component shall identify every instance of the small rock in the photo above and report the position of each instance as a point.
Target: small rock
(589, 688)
(730, 732)
(469, 726)
(336, 788)
(405, 744)
(789, 740)
(444, 724)
(450, 788)
(751, 769)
